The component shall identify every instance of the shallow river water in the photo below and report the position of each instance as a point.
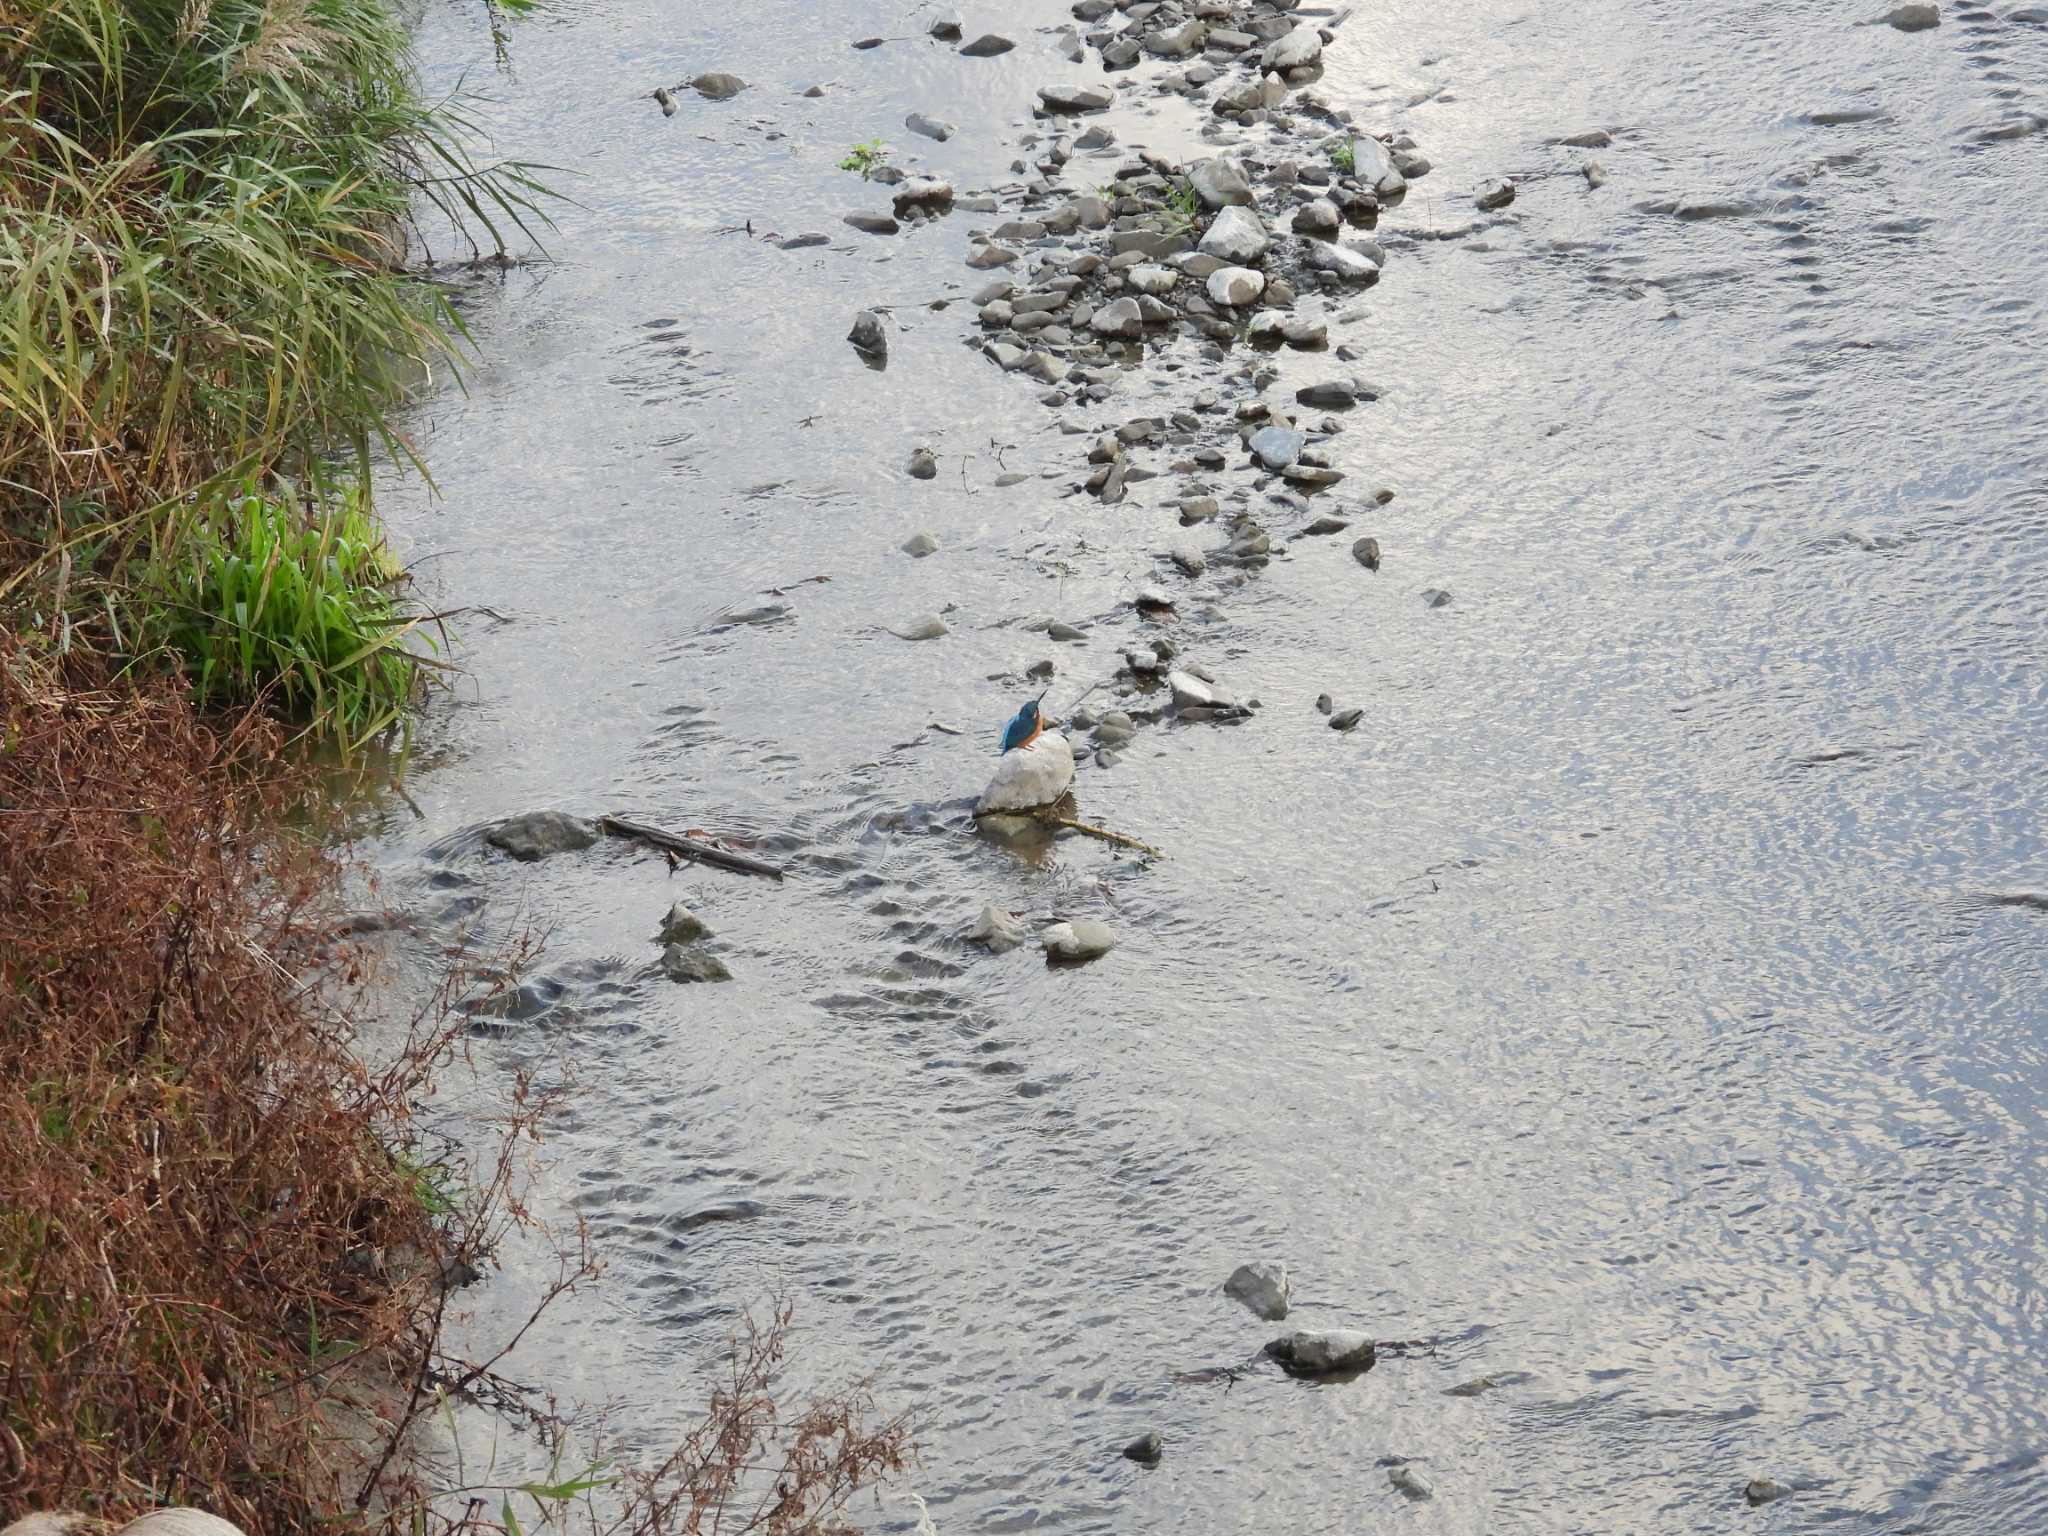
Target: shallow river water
(1648, 997)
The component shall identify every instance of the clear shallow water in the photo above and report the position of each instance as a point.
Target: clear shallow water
(1648, 997)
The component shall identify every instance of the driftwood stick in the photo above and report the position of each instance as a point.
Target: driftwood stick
(688, 847)
(1102, 832)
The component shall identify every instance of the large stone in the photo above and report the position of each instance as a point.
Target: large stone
(922, 191)
(1220, 183)
(1153, 280)
(718, 86)
(1917, 17)
(1314, 1351)
(1346, 263)
(868, 337)
(682, 926)
(1261, 1286)
(1083, 938)
(1029, 777)
(1318, 216)
(1303, 45)
(1278, 447)
(1236, 236)
(686, 963)
(1329, 394)
(873, 223)
(1495, 195)
(930, 127)
(997, 930)
(1177, 42)
(1076, 98)
(1373, 164)
(945, 27)
(1120, 319)
(987, 46)
(1236, 286)
(538, 834)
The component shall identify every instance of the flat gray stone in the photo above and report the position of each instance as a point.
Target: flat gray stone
(1262, 1286)
(537, 834)
(1081, 938)
(689, 963)
(987, 46)
(1315, 1351)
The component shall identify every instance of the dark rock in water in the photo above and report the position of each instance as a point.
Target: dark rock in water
(1146, 1449)
(1767, 1490)
(869, 42)
(1367, 553)
(1313, 1352)
(1324, 704)
(1435, 597)
(682, 926)
(1084, 938)
(1917, 17)
(687, 963)
(1407, 1480)
(805, 242)
(1263, 1287)
(924, 465)
(873, 223)
(540, 833)
(1479, 1385)
(930, 127)
(945, 28)
(665, 101)
(1347, 721)
(1331, 394)
(1324, 525)
(998, 930)
(868, 337)
(1598, 138)
(987, 46)
(717, 86)
(1495, 195)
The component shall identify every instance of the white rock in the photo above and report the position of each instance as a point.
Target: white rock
(1237, 236)
(1029, 777)
(1081, 939)
(1373, 164)
(1346, 263)
(1177, 42)
(1304, 45)
(999, 930)
(1277, 447)
(924, 627)
(1261, 1286)
(1153, 280)
(1190, 691)
(180, 1522)
(1220, 183)
(1236, 285)
(1121, 318)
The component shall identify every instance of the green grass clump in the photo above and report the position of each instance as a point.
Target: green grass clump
(1343, 158)
(1183, 207)
(206, 216)
(866, 158)
(297, 603)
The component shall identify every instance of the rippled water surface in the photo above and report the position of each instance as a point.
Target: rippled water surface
(1647, 998)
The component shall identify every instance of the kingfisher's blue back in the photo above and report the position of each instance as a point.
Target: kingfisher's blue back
(1022, 727)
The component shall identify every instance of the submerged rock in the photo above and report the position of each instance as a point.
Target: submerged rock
(1917, 17)
(540, 833)
(1495, 195)
(1313, 1352)
(1261, 1286)
(1146, 1449)
(718, 86)
(1367, 553)
(930, 127)
(987, 46)
(687, 963)
(1029, 777)
(1408, 1481)
(873, 223)
(1766, 1490)
(924, 465)
(945, 27)
(682, 926)
(927, 626)
(1082, 938)
(998, 930)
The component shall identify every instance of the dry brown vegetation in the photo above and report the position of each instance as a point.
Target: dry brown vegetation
(222, 1244)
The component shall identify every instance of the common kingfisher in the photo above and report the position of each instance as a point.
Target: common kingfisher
(1023, 728)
